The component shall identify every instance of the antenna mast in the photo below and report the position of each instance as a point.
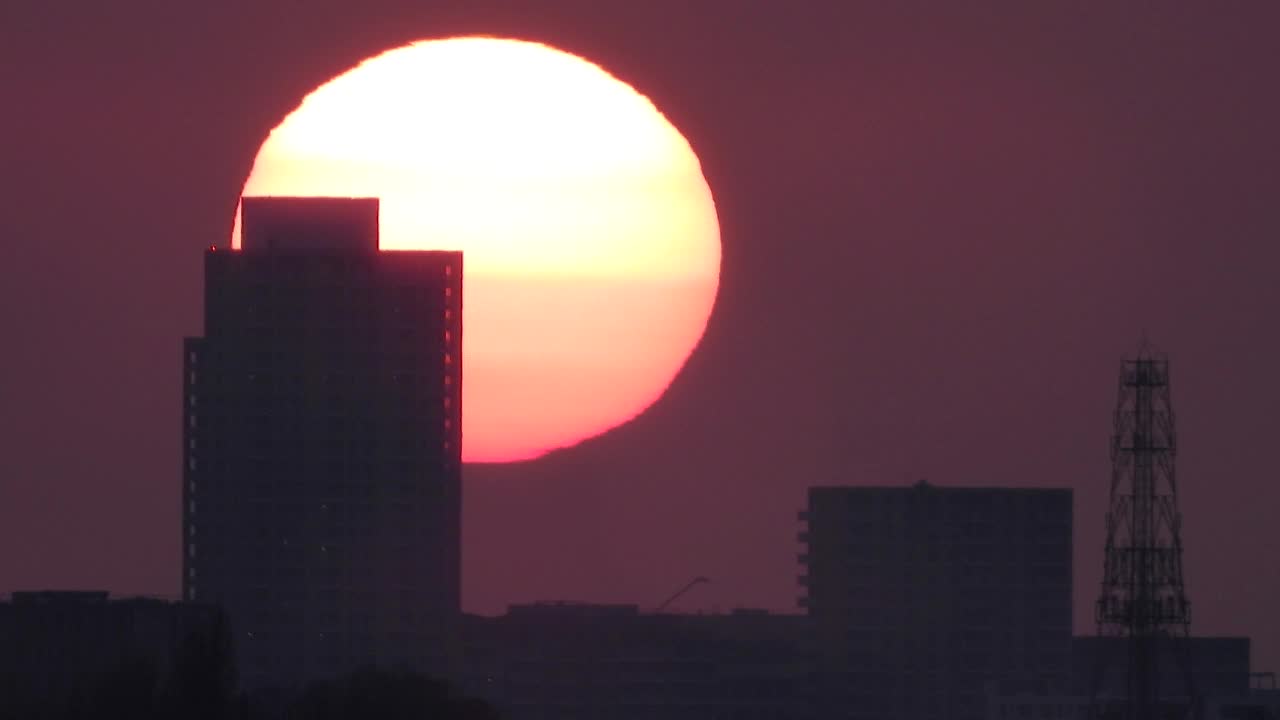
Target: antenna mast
(1143, 599)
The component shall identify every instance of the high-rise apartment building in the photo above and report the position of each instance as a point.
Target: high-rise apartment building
(922, 596)
(322, 443)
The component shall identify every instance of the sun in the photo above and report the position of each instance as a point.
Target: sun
(589, 235)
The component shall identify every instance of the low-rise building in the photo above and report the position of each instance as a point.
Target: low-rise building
(63, 649)
(613, 662)
(1212, 670)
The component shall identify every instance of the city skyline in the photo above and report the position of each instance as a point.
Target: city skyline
(941, 231)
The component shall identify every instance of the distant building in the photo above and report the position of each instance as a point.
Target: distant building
(322, 443)
(612, 662)
(921, 596)
(1216, 668)
(61, 652)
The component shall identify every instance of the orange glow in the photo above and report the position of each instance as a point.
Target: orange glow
(591, 245)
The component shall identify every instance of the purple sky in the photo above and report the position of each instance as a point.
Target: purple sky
(942, 230)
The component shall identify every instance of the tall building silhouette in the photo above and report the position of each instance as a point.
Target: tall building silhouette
(321, 436)
(922, 597)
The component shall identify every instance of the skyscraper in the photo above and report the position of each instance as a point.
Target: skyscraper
(322, 443)
(922, 596)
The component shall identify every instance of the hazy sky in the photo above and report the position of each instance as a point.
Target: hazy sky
(941, 229)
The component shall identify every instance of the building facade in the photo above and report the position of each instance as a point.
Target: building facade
(322, 443)
(921, 596)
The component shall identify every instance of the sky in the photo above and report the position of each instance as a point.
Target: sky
(942, 229)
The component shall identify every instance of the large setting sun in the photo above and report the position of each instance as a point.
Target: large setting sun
(590, 240)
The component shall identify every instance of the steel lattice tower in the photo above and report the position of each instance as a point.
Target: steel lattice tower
(1143, 602)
